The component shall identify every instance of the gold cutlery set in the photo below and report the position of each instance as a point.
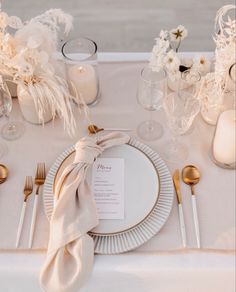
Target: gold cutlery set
(190, 176)
(28, 189)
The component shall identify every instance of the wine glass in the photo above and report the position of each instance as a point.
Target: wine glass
(180, 113)
(11, 130)
(151, 91)
(189, 83)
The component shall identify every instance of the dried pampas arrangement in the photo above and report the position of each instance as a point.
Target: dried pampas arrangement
(27, 58)
(214, 85)
(225, 40)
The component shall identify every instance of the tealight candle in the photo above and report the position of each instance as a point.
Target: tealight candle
(224, 143)
(84, 79)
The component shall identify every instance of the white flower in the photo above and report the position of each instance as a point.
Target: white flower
(231, 24)
(171, 61)
(36, 36)
(155, 64)
(178, 34)
(161, 45)
(201, 64)
(15, 22)
(158, 53)
(164, 34)
(156, 60)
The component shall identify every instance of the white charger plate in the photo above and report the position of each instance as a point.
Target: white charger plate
(148, 197)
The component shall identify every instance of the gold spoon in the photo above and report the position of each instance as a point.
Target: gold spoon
(3, 173)
(191, 176)
(93, 129)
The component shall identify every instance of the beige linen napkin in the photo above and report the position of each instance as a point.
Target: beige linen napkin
(70, 253)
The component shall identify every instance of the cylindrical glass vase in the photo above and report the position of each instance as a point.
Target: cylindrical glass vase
(80, 56)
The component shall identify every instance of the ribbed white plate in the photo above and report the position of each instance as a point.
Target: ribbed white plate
(138, 234)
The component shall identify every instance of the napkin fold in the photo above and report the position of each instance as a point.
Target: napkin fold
(70, 252)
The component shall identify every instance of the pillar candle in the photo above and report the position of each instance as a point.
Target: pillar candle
(224, 143)
(84, 79)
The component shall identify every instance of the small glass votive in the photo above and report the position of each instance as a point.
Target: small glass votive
(80, 56)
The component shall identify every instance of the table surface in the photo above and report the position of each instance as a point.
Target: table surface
(135, 270)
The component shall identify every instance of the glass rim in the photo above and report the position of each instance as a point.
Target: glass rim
(150, 81)
(189, 71)
(73, 39)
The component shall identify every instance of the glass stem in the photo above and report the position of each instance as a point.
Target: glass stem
(150, 123)
(10, 127)
(175, 141)
(7, 118)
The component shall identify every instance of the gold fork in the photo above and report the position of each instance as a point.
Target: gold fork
(40, 176)
(28, 189)
(39, 181)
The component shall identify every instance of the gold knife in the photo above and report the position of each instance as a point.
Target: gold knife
(179, 200)
(177, 186)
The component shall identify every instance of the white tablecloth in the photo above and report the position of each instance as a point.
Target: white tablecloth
(147, 269)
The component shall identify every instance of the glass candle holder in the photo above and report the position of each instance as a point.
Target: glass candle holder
(223, 152)
(80, 57)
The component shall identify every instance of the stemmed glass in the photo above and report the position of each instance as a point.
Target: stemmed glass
(189, 83)
(180, 113)
(151, 91)
(11, 130)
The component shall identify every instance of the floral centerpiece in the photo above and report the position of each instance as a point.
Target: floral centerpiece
(217, 83)
(225, 40)
(165, 56)
(27, 58)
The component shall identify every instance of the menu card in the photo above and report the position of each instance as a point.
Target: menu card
(108, 187)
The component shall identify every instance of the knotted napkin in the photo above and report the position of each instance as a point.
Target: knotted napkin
(70, 252)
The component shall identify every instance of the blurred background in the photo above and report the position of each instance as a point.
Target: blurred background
(130, 25)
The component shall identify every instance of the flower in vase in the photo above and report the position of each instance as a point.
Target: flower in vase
(27, 57)
(164, 34)
(158, 54)
(171, 61)
(201, 64)
(178, 34)
(230, 28)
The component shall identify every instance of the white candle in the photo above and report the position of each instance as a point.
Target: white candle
(84, 79)
(224, 142)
